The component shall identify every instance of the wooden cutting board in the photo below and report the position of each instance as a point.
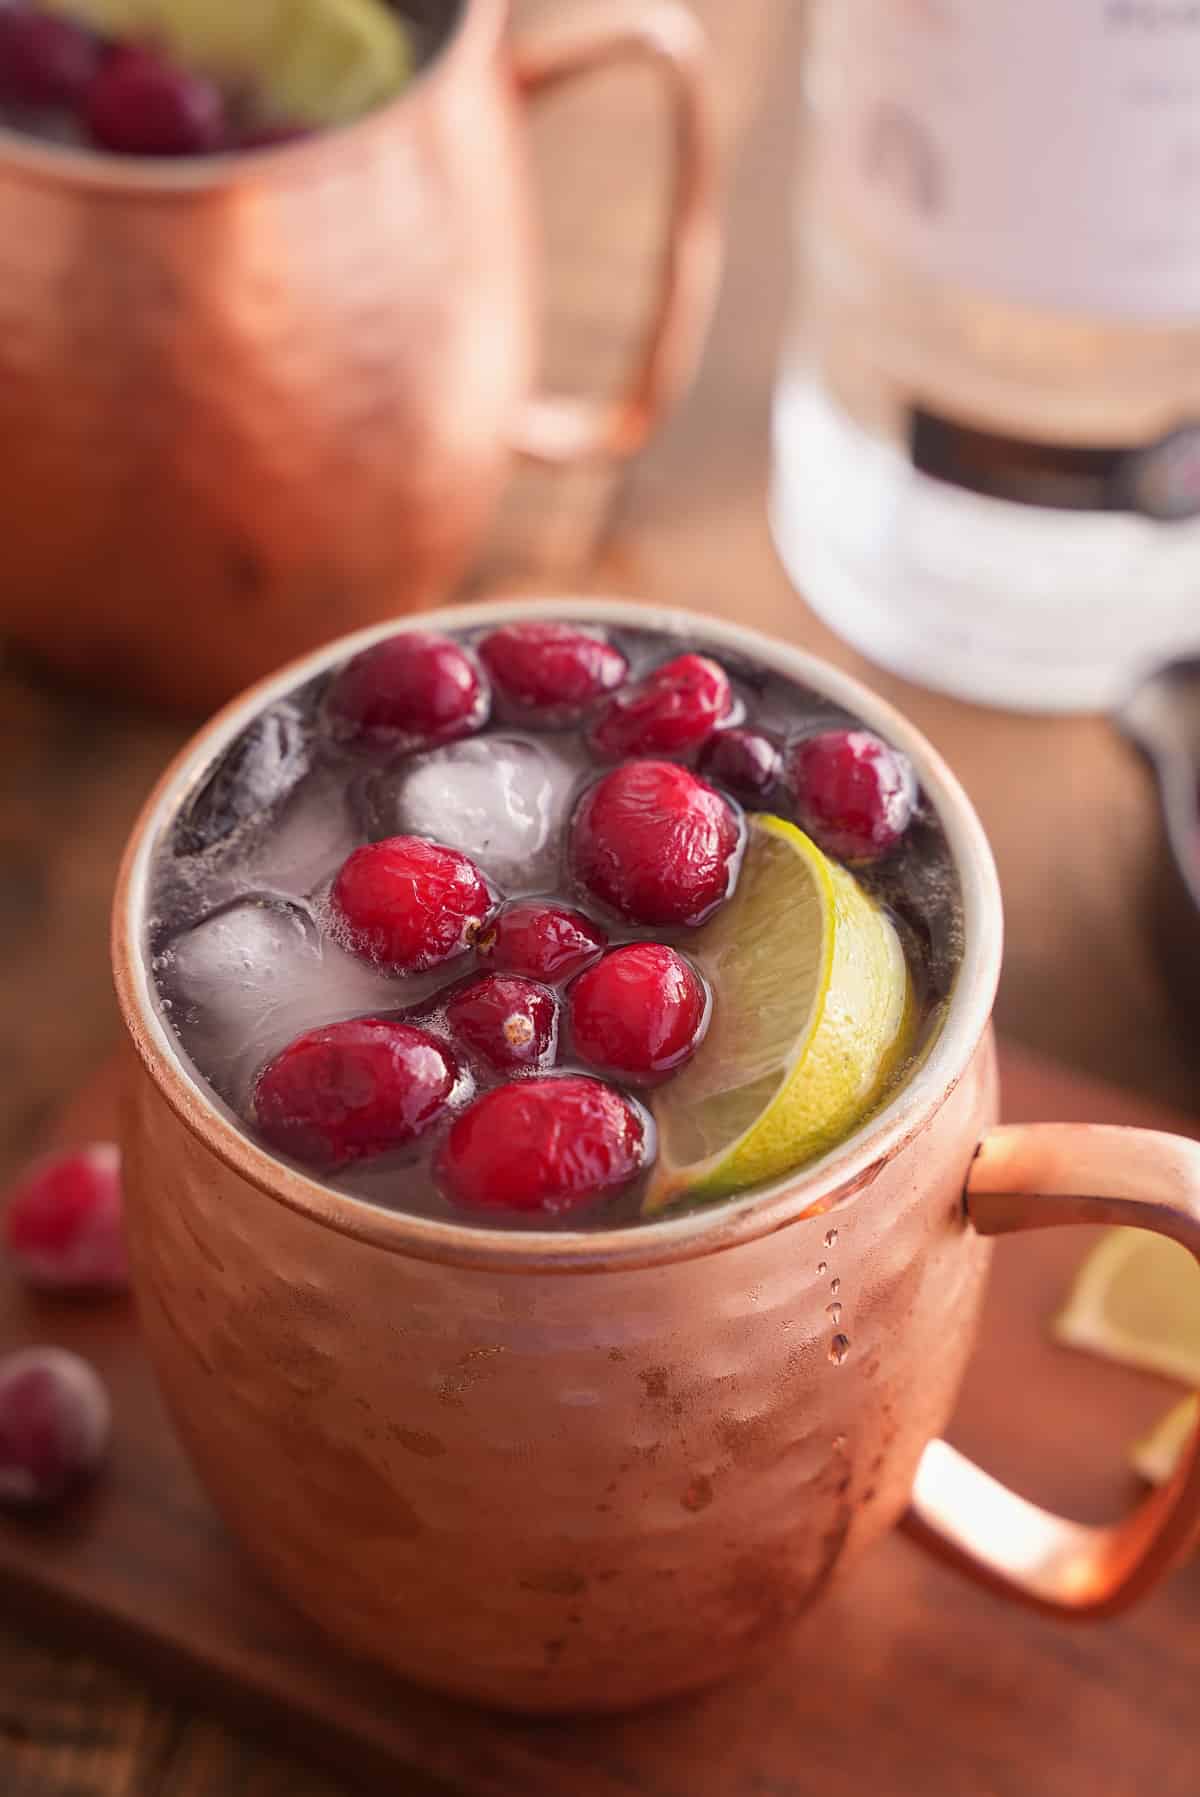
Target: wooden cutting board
(905, 1680)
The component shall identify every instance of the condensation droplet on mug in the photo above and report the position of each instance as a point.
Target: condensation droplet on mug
(835, 1286)
(839, 1347)
(839, 1444)
(822, 1268)
(834, 1313)
(831, 1239)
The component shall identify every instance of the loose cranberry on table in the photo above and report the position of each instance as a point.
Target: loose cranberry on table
(44, 60)
(408, 904)
(543, 941)
(852, 793)
(745, 762)
(411, 692)
(141, 104)
(672, 710)
(55, 1420)
(62, 1222)
(351, 1090)
(542, 1145)
(641, 1012)
(510, 1022)
(549, 673)
(656, 843)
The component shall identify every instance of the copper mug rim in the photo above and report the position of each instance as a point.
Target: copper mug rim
(472, 23)
(832, 1180)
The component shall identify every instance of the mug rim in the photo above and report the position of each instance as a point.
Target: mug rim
(158, 177)
(811, 1191)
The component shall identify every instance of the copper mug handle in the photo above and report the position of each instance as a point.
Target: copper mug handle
(665, 35)
(1040, 1176)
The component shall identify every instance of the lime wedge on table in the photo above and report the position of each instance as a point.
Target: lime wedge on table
(811, 1015)
(315, 62)
(1136, 1300)
(1156, 1455)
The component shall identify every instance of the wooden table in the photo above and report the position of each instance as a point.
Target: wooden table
(1066, 804)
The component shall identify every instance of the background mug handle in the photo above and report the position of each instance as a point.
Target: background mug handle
(664, 35)
(1039, 1176)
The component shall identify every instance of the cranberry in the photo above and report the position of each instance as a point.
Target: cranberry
(544, 941)
(656, 843)
(745, 762)
(351, 1090)
(549, 673)
(853, 794)
(411, 692)
(640, 1013)
(511, 1022)
(407, 903)
(144, 105)
(550, 1145)
(674, 709)
(44, 60)
(62, 1223)
(54, 1425)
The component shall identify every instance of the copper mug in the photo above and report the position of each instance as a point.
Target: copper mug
(251, 401)
(561, 1472)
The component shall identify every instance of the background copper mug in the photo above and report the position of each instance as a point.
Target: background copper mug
(579, 1471)
(252, 401)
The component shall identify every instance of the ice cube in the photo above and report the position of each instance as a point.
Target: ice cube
(304, 843)
(247, 980)
(260, 768)
(503, 800)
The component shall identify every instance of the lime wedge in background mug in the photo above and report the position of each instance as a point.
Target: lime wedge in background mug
(1156, 1455)
(812, 1015)
(1136, 1300)
(319, 62)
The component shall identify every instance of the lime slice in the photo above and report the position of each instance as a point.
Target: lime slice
(812, 1012)
(312, 62)
(1156, 1455)
(1136, 1299)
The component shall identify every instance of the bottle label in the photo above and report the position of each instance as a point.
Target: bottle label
(1049, 155)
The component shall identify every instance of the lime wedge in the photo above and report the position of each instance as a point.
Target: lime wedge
(311, 62)
(1156, 1455)
(811, 1015)
(1136, 1300)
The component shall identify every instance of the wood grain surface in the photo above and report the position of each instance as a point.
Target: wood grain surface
(1069, 812)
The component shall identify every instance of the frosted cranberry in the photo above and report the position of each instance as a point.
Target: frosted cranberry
(512, 1023)
(656, 843)
(853, 794)
(351, 1090)
(44, 60)
(546, 942)
(549, 673)
(641, 1012)
(407, 903)
(549, 1145)
(745, 762)
(674, 709)
(55, 1420)
(143, 105)
(62, 1222)
(411, 692)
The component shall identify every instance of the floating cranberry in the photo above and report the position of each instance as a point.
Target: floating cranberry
(656, 843)
(62, 1222)
(407, 903)
(853, 794)
(352, 1090)
(551, 1145)
(412, 691)
(641, 1012)
(674, 709)
(55, 1420)
(745, 762)
(44, 60)
(549, 673)
(512, 1023)
(143, 105)
(543, 941)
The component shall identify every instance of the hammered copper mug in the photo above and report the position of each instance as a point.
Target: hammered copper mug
(573, 1471)
(250, 401)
